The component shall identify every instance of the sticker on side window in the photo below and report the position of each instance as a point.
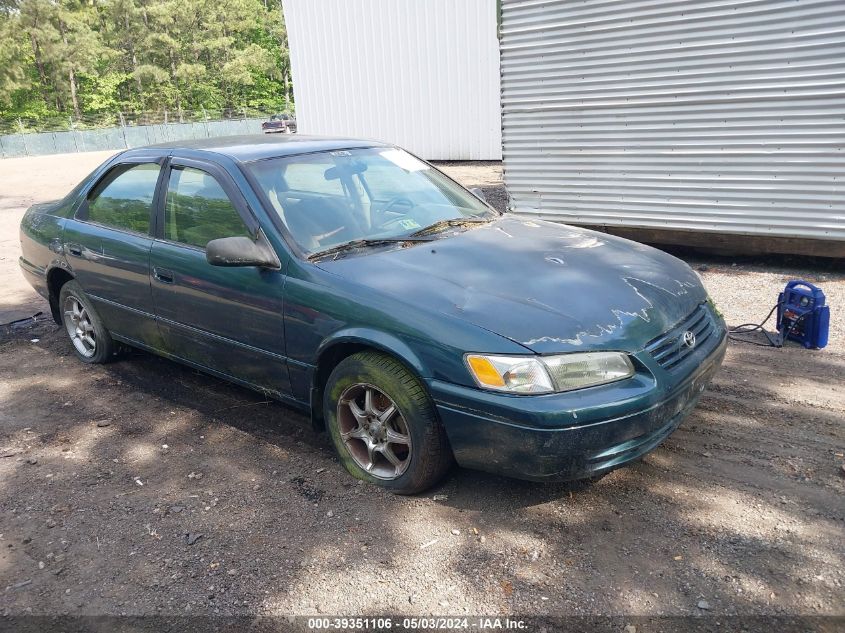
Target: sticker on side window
(403, 160)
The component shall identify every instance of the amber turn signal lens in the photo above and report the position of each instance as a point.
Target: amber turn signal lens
(485, 372)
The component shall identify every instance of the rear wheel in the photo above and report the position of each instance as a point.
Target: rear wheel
(383, 424)
(91, 341)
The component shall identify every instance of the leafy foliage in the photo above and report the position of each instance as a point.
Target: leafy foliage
(88, 57)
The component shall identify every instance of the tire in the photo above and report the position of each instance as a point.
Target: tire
(405, 452)
(90, 339)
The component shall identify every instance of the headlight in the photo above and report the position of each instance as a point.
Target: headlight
(574, 371)
(548, 374)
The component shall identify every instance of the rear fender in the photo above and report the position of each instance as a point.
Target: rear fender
(42, 251)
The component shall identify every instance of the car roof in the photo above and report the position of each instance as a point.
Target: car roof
(258, 146)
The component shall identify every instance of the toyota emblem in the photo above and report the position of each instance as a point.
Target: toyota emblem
(689, 339)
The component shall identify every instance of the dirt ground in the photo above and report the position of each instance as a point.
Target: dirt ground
(146, 488)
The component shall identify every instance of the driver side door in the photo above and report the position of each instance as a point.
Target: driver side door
(226, 319)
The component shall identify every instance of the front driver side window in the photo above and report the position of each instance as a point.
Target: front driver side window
(197, 209)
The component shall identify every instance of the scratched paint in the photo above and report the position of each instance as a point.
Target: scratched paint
(550, 287)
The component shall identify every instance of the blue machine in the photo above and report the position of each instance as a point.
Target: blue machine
(802, 314)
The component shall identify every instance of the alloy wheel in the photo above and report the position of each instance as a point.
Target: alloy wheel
(79, 327)
(374, 431)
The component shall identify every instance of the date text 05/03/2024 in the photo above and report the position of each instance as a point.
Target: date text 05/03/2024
(416, 624)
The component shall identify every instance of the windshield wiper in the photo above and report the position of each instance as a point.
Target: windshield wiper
(445, 224)
(362, 243)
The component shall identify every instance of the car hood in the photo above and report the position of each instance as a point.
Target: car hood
(547, 286)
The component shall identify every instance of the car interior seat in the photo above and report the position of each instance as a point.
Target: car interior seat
(320, 221)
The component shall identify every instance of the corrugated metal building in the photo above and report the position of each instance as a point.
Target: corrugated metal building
(705, 116)
(421, 74)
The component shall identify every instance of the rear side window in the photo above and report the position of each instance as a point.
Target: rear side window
(198, 210)
(124, 198)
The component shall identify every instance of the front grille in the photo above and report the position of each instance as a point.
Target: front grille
(669, 349)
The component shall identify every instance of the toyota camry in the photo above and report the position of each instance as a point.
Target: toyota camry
(413, 322)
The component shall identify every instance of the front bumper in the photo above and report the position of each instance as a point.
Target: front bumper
(571, 435)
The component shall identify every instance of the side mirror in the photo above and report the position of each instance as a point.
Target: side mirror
(478, 193)
(242, 251)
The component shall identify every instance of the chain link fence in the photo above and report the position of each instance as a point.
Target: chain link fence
(20, 136)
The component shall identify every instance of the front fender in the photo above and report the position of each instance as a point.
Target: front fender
(325, 313)
(348, 341)
(375, 339)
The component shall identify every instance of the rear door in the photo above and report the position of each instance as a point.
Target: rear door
(107, 244)
(229, 320)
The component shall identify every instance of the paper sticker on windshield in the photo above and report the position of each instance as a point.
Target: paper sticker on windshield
(408, 223)
(403, 160)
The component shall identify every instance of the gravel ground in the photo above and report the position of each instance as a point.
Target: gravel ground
(146, 488)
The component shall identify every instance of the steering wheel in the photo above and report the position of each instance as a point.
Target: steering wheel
(394, 202)
(388, 207)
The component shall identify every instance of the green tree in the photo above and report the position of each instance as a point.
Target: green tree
(78, 57)
(13, 76)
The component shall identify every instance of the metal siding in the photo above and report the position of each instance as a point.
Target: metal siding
(705, 115)
(423, 74)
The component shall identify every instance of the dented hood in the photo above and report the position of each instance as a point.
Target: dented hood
(547, 286)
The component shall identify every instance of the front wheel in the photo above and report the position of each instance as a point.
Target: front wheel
(91, 340)
(383, 424)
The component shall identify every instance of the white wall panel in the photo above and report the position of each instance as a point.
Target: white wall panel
(423, 74)
(713, 115)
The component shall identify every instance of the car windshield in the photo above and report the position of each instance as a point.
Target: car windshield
(327, 199)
